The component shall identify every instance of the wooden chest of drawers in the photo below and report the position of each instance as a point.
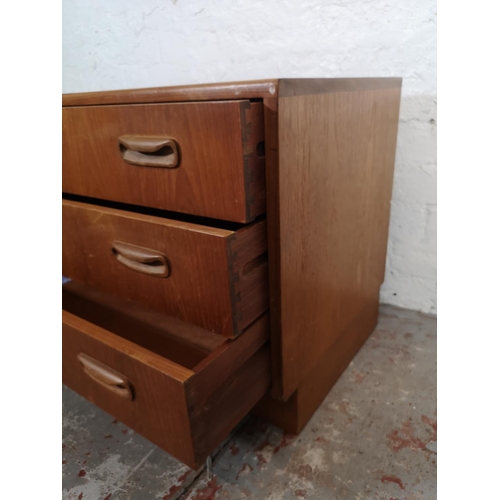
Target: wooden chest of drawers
(227, 245)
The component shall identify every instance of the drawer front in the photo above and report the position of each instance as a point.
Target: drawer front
(213, 278)
(201, 158)
(187, 412)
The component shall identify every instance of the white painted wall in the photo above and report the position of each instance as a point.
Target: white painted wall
(126, 44)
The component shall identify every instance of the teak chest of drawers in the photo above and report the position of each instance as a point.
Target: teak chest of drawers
(226, 245)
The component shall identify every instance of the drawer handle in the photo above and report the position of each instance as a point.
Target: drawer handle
(141, 259)
(149, 151)
(106, 377)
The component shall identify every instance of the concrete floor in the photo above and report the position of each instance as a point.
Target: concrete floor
(374, 437)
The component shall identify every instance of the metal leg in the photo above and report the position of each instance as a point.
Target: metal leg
(210, 473)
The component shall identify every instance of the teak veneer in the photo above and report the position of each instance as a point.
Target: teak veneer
(186, 406)
(309, 161)
(213, 171)
(214, 278)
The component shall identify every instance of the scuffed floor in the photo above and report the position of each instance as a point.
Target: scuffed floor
(373, 437)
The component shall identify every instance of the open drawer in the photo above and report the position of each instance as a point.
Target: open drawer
(181, 387)
(207, 276)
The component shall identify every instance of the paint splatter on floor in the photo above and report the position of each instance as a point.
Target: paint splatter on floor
(373, 438)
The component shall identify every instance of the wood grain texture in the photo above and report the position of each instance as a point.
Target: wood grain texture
(254, 163)
(329, 159)
(336, 161)
(172, 406)
(231, 381)
(219, 172)
(293, 414)
(230, 403)
(184, 344)
(308, 86)
(204, 92)
(270, 106)
(157, 385)
(246, 251)
(217, 280)
(230, 356)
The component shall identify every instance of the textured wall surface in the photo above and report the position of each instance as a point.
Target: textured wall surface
(126, 44)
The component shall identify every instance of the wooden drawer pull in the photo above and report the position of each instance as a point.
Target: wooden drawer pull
(149, 151)
(105, 376)
(141, 259)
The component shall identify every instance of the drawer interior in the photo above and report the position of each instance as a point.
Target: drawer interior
(186, 345)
